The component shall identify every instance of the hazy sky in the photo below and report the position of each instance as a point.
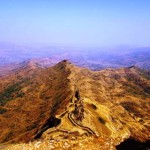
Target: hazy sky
(76, 22)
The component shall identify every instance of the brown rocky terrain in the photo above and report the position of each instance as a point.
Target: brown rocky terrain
(67, 107)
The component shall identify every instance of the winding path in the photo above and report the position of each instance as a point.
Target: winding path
(90, 131)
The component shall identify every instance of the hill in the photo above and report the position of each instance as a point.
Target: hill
(66, 106)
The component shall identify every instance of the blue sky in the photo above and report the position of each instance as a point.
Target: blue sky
(76, 22)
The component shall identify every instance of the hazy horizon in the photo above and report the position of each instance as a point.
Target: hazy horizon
(78, 23)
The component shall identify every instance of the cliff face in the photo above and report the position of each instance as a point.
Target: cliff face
(66, 103)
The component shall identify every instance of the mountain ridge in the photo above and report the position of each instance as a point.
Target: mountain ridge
(64, 101)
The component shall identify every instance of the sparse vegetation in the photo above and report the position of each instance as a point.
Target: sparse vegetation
(101, 120)
(29, 128)
(94, 106)
(145, 73)
(132, 108)
(8, 136)
(11, 92)
(2, 110)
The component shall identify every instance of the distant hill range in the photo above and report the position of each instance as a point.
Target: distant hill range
(73, 107)
(92, 58)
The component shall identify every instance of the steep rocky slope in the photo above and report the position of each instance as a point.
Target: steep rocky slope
(70, 107)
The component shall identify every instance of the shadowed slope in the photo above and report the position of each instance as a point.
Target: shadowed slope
(44, 91)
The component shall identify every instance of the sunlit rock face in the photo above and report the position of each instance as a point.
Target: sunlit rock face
(70, 107)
